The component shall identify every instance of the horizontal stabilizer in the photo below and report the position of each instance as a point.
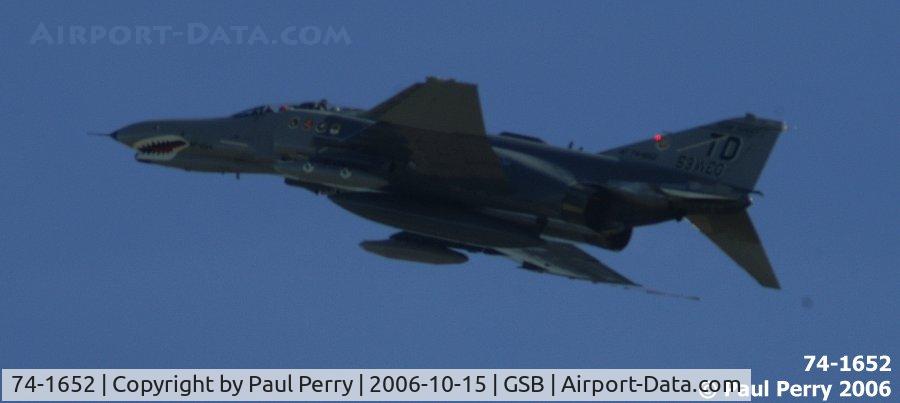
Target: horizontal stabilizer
(735, 235)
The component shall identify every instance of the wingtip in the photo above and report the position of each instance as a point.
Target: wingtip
(652, 291)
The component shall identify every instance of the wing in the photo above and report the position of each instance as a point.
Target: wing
(436, 130)
(436, 105)
(564, 259)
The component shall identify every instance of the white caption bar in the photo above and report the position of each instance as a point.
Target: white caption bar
(374, 384)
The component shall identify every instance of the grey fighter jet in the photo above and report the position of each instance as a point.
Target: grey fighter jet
(421, 162)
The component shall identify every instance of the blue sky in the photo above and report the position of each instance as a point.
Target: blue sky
(105, 262)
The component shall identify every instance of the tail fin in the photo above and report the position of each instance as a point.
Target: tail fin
(731, 151)
(735, 235)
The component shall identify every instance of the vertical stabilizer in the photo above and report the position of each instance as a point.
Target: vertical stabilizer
(731, 151)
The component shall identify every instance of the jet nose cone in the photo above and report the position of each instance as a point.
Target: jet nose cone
(131, 134)
(128, 135)
(152, 140)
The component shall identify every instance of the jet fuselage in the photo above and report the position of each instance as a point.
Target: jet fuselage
(422, 162)
(559, 192)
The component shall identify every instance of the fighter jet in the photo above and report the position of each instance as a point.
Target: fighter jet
(422, 162)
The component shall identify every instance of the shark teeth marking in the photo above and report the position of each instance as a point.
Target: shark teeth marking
(160, 148)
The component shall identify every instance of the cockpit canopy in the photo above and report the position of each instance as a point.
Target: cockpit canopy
(256, 111)
(318, 106)
(322, 105)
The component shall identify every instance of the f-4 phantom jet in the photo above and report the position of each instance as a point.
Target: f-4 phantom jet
(421, 162)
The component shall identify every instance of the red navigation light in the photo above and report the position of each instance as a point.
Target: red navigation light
(657, 137)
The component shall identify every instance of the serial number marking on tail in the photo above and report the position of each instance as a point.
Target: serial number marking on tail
(700, 165)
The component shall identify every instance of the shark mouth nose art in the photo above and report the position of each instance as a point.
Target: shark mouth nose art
(160, 148)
